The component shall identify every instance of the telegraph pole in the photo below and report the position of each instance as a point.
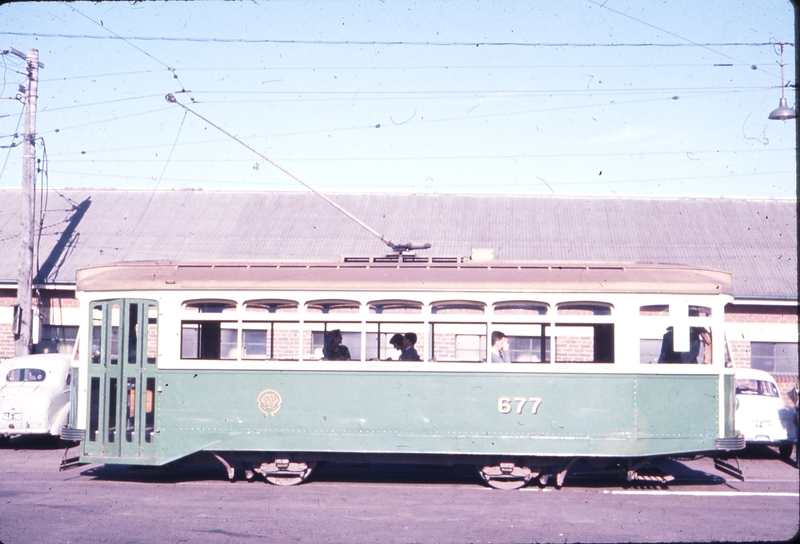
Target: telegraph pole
(23, 310)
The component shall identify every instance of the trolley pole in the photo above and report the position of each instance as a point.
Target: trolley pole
(23, 311)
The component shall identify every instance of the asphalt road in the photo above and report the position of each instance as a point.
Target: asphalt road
(386, 504)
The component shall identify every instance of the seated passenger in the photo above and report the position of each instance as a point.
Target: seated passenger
(500, 348)
(333, 349)
(397, 342)
(409, 351)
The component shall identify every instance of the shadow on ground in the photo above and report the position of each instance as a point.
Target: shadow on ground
(204, 468)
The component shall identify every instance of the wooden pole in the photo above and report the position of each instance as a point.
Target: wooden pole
(24, 310)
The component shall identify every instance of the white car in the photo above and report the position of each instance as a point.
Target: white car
(34, 395)
(761, 415)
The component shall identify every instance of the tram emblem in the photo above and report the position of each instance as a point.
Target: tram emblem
(269, 402)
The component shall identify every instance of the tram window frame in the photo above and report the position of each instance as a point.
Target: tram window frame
(281, 340)
(379, 333)
(271, 306)
(658, 327)
(314, 339)
(150, 350)
(454, 337)
(583, 319)
(332, 306)
(453, 308)
(273, 318)
(213, 341)
(526, 343)
(215, 338)
(462, 327)
(97, 340)
(394, 307)
(520, 307)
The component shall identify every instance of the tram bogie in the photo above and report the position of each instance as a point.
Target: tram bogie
(233, 359)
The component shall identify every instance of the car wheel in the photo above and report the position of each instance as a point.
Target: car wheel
(785, 450)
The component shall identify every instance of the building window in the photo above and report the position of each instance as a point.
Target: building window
(774, 357)
(57, 339)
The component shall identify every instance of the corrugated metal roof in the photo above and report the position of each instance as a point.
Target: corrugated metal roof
(756, 240)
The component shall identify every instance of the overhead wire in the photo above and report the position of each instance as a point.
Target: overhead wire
(707, 46)
(391, 42)
(153, 191)
(13, 145)
(44, 191)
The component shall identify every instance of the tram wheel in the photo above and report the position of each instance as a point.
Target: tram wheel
(275, 479)
(506, 484)
(283, 472)
(505, 476)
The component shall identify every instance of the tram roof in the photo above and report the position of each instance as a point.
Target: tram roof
(408, 276)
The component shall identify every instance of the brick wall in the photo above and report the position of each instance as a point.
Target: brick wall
(751, 313)
(7, 347)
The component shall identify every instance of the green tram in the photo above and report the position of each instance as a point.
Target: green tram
(228, 358)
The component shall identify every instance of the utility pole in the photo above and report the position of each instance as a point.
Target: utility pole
(23, 310)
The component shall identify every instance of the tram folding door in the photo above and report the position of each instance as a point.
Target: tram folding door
(122, 380)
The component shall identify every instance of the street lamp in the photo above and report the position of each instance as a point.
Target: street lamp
(783, 112)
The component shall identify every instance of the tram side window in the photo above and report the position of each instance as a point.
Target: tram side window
(583, 333)
(317, 335)
(527, 342)
(263, 338)
(661, 340)
(455, 336)
(151, 340)
(208, 336)
(97, 333)
(380, 331)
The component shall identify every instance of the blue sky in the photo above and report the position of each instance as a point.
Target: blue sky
(579, 97)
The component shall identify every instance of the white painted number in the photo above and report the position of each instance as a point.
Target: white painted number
(504, 404)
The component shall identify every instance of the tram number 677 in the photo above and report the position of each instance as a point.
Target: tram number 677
(504, 404)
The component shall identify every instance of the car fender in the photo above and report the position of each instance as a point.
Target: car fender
(60, 420)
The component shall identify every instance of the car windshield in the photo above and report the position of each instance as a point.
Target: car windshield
(25, 375)
(756, 387)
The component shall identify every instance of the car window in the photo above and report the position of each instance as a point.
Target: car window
(26, 375)
(756, 387)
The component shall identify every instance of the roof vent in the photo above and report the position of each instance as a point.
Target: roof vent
(481, 254)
